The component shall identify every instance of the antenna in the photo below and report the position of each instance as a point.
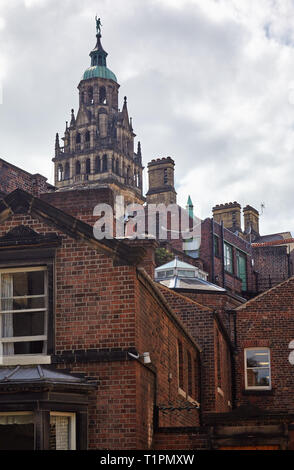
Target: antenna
(262, 207)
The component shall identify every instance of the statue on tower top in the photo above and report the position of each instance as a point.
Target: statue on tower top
(98, 25)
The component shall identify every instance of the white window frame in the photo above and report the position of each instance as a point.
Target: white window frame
(257, 387)
(72, 430)
(26, 359)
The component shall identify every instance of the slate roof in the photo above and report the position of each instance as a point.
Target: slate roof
(21, 374)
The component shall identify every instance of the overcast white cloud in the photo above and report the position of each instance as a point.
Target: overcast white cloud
(209, 82)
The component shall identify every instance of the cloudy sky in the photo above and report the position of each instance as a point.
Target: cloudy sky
(209, 83)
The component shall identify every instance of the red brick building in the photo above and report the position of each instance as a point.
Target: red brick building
(74, 303)
(94, 354)
(263, 417)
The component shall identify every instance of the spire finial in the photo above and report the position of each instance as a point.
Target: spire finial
(57, 146)
(73, 119)
(98, 26)
(57, 140)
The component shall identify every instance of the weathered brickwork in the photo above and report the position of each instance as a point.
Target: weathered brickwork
(80, 203)
(213, 257)
(272, 265)
(267, 321)
(102, 311)
(12, 177)
(215, 356)
(188, 439)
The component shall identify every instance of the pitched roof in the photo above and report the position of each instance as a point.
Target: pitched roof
(284, 241)
(267, 294)
(116, 249)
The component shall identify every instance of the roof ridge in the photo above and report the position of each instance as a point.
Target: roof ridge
(68, 224)
(188, 299)
(265, 293)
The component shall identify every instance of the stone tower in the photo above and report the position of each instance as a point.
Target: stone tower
(98, 143)
(161, 182)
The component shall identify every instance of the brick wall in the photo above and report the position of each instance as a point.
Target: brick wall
(12, 177)
(101, 312)
(214, 266)
(80, 204)
(161, 342)
(271, 265)
(200, 321)
(267, 321)
(197, 439)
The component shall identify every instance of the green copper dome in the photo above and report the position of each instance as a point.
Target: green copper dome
(98, 67)
(99, 71)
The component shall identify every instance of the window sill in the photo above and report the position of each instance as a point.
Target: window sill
(193, 401)
(220, 392)
(182, 392)
(24, 360)
(257, 392)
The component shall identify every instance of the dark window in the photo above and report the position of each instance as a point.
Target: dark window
(78, 138)
(78, 168)
(190, 379)
(180, 365)
(104, 163)
(97, 165)
(102, 95)
(242, 269)
(218, 358)
(196, 379)
(66, 171)
(216, 246)
(88, 166)
(17, 431)
(90, 95)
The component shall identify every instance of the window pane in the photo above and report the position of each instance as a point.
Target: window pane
(242, 269)
(22, 303)
(28, 283)
(186, 273)
(228, 258)
(22, 324)
(258, 377)
(60, 433)
(258, 358)
(29, 347)
(16, 432)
